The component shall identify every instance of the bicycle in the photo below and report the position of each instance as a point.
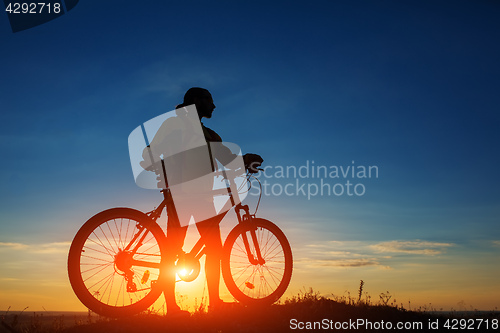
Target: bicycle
(115, 259)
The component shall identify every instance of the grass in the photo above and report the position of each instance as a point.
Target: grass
(307, 308)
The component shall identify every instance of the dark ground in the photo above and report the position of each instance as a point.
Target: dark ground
(293, 316)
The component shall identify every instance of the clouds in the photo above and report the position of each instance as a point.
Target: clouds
(24, 264)
(357, 254)
(55, 247)
(35, 275)
(12, 246)
(411, 247)
(348, 263)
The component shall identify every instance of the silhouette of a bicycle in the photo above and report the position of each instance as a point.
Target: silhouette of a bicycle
(115, 261)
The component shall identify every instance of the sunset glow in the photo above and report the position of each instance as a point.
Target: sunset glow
(377, 122)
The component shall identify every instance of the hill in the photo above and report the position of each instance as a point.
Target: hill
(310, 312)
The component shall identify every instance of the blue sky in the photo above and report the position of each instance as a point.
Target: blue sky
(411, 87)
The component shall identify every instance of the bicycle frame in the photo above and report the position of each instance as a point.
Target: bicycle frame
(198, 250)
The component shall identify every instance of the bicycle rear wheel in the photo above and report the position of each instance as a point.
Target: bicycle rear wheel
(114, 262)
(257, 283)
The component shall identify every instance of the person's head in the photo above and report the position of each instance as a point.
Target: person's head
(202, 99)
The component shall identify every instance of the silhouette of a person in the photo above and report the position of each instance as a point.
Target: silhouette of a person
(186, 159)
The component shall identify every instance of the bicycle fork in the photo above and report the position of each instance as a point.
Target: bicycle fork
(246, 219)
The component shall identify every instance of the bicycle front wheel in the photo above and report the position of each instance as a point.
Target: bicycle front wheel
(249, 281)
(114, 262)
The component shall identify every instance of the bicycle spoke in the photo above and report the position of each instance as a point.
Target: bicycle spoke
(120, 289)
(105, 279)
(274, 278)
(96, 250)
(107, 239)
(118, 232)
(100, 243)
(112, 236)
(126, 234)
(104, 266)
(254, 281)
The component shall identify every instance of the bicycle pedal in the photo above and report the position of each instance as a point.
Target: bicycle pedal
(145, 277)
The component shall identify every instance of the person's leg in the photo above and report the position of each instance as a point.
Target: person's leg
(175, 240)
(210, 233)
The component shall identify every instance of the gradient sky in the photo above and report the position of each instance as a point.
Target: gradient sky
(411, 87)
